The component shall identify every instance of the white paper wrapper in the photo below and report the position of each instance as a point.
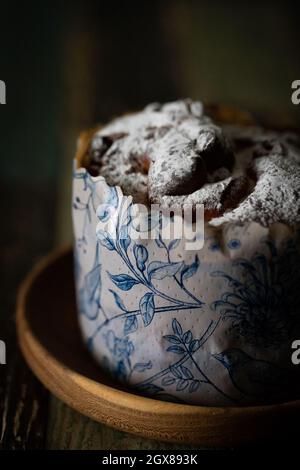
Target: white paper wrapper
(212, 326)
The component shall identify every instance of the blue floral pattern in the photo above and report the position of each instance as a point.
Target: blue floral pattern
(262, 303)
(141, 313)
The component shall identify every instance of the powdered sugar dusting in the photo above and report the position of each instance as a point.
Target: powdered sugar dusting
(275, 197)
(174, 154)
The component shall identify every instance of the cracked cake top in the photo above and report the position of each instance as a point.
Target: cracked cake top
(173, 154)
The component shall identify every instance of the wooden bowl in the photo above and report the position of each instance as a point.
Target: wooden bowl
(51, 343)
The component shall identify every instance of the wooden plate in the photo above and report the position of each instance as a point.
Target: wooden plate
(50, 339)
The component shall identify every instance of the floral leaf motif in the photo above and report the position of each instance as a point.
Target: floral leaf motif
(147, 308)
(231, 281)
(261, 307)
(118, 300)
(176, 327)
(216, 304)
(123, 281)
(124, 237)
(87, 305)
(172, 339)
(105, 239)
(168, 381)
(189, 269)
(187, 337)
(173, 244)
(175, 372)
(194, 386)
(104, 212)
(89, 294)
(141, 256)
(160, 270)
(121, 350)
(91, 281)
(186, 372)
(141, 367)
(131, 324)
(194, 346)
(176, 349)
(181, 385)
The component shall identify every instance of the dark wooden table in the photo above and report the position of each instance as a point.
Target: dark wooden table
(69, 66)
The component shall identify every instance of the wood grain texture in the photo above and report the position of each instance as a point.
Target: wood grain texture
(23, 399)
(68, 429)
(46, 312)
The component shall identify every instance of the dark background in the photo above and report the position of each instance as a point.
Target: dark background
(68, 65)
